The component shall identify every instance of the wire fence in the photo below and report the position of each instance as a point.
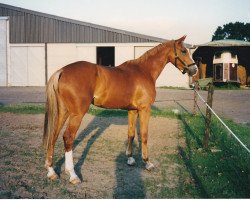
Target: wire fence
(222, 122)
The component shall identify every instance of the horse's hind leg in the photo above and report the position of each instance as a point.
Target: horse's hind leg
(77, 111)
(68, 137)
(132, 116)
(62, 116)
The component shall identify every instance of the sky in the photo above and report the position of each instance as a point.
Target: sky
(168, 19)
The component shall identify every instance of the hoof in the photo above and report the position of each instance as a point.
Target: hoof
(131, 161)
(75, 180)
(149, 166)
(73, 177)
(52, 177)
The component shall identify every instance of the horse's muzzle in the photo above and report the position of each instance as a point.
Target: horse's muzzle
(191, 69)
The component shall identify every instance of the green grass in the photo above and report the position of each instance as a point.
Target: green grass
(173, 88)
(220, 174)
(156, 112)
(227, 86)
(93, 110)
(23, 108)
(222, 171)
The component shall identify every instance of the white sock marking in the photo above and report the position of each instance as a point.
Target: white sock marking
(69, 161)
(69, 165)
(131, 161)
(51, 172)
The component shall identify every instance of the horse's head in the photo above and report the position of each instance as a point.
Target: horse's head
(181, 58)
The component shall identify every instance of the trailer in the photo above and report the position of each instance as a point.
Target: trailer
(225, 65)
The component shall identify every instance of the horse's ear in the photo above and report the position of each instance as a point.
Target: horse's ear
(179, 41)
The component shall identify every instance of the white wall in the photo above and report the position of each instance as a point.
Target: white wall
(3, 50)
(27, 61)
(170, 76)
(86, 53)
(18, 66)
(123, 53)
(60, 55)
(27, 65)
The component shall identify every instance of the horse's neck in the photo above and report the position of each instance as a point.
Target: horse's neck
(153, 61)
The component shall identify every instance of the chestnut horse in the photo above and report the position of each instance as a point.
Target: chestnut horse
(130, 86)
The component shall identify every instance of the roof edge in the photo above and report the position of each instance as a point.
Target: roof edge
(225, 43)
(155, 39)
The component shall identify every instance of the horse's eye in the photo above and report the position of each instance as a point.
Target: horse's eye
(184, 52)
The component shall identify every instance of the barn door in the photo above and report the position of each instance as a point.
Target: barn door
(36, 63)
(18, 66)
(105, 56)
(27, 65)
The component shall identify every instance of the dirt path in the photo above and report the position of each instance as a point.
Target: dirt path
(99, 158)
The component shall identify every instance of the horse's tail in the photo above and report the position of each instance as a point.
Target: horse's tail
(51, 110)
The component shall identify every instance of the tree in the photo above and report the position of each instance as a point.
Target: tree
(237, 31)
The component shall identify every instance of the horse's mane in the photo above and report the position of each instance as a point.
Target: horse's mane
(151, 52)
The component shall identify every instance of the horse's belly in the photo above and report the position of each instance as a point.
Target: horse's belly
(113, 101)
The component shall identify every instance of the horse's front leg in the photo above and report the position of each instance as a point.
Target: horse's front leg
(144, 115)
(132, 116)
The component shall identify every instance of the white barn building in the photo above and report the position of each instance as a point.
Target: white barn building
(33, 45)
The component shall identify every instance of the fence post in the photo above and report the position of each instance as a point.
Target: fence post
(208, 115)
(195, 98)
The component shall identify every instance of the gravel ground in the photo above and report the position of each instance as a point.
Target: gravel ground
(232, 104)
(99, 158)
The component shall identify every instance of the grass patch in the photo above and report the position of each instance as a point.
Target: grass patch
(93, 110)
(172, 183)
(227, 86)
(102, 112)
(222, 172)
(23, 109)
(173, 88)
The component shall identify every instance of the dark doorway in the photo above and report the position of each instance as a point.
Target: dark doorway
(105, 56)
(218, 72)
(233, 72)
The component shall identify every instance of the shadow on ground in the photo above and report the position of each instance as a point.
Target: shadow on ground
(129, 182)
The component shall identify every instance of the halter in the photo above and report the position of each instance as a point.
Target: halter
(186, 67)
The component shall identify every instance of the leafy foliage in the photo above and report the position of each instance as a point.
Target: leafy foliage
(237, 31)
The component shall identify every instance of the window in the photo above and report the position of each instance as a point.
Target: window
(105, 56)
(218, 72)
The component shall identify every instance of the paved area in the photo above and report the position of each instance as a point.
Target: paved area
(17, 95)
(232, 104)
